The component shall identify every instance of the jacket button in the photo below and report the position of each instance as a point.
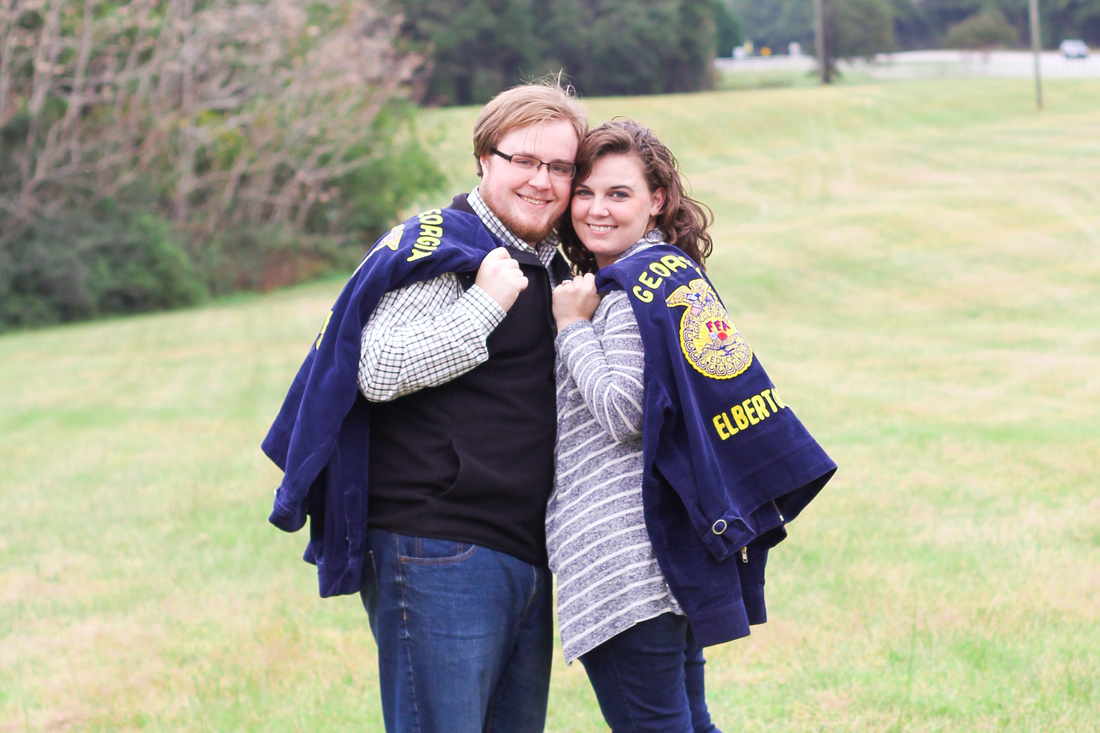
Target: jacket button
(719, 526)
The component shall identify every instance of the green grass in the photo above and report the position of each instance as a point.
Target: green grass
(757, 79)
(728, 81)
(917, 265)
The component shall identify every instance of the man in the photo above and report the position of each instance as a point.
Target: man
(458, 428)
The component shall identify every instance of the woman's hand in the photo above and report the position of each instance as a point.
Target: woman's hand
(575, 300)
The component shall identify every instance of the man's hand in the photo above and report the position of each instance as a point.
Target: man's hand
(575, 300)
(499, 276)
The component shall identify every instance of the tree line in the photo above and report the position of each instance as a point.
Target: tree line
(865, 27)
(479, 47)
(475, 48)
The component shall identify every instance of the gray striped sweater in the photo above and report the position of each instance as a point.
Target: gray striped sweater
(607, 576)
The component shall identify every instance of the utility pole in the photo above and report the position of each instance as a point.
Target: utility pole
(819, 41)
(1036, 48)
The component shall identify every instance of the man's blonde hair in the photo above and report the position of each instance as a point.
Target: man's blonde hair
(527, 104)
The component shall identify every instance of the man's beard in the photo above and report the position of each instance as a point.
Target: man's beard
(530, 233)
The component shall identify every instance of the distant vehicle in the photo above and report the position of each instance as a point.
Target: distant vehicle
(1073, 48)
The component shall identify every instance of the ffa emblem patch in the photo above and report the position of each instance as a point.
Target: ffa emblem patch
(708, 339)
(390, 241)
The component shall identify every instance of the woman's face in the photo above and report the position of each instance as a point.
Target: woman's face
(613, 207)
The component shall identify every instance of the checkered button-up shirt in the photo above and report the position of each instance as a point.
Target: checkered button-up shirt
(430, 332)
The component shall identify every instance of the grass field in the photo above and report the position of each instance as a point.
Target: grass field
(918, 267)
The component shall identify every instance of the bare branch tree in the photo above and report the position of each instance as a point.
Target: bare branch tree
(227, 111)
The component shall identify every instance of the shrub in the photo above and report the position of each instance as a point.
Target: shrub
(989, 29)
(245, 258)
(76, 267)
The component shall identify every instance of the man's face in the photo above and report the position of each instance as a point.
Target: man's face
(529, 203)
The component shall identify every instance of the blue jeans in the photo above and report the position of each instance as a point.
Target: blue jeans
(464, 635)
(650, 678)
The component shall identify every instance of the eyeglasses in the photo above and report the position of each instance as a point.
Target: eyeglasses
(531, 164)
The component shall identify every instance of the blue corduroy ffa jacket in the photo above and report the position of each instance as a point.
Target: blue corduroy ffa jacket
(727, 462)
(320, 437)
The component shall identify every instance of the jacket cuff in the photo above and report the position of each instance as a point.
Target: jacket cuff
(287, 519)
(725, 536)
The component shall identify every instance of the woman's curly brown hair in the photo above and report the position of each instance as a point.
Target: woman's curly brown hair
(683, 221)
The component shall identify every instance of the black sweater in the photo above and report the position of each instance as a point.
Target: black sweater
(472, 460)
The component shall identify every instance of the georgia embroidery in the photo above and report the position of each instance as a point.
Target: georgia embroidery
(711, 343)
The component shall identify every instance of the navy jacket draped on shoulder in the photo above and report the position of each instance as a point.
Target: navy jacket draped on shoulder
(320, 437)
(727, 462)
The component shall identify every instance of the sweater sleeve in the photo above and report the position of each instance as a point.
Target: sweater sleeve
(608, 367)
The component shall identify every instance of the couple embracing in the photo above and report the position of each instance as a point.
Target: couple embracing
(478, 412)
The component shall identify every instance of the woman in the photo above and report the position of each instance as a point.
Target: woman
(615, 609)
(647, 573)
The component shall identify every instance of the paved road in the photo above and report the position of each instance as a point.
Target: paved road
(934, 64)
